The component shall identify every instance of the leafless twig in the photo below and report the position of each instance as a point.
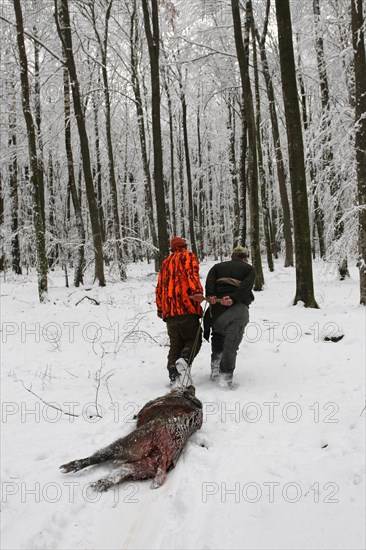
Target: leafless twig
(106, 380)
(89, 298)
(97, 387)
(71, 374)
(45, 402)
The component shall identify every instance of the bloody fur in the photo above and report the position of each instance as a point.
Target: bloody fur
(153, 448)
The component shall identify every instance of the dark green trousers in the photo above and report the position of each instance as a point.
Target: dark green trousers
(185, 336)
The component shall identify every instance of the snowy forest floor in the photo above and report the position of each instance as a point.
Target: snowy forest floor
(278, 463)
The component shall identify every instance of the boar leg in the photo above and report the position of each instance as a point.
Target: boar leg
(160, 475)
(132, 471)
(111, 452)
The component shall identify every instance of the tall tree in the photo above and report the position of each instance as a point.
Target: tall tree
(103, 45)
(13, 185)
(262, 175)
(311, 146)
(80, 259)
(53, 247)
(242, 171)
(252, 173)
(327, 149)
(64, 31)
(2, 252)
(153, 42)
(134, 48)
(281, 174)
(188, 166)
(33, 156)
(200, 197)
(304, 272)
(233, 172)
(358, 42)
(167, 84)
(97, 168)
(38, 121)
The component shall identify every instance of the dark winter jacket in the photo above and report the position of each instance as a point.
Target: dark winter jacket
(233, 269)
(239, 289)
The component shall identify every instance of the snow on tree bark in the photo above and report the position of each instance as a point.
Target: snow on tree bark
(33, 157)
(304, 273)
(64, 31)
(358, 42)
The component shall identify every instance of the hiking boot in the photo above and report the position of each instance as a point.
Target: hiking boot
(174, 377)
(176, 383)
(215, 365)
(184, 371)
(181, 365)
(215, 372)
(225, 379)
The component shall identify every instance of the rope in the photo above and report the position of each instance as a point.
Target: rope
(187, 374)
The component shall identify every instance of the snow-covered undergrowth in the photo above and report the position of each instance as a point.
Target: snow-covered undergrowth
(278, 463)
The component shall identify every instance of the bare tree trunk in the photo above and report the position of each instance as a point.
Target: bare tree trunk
(38, 120)
(33, 157)
(180, 155)
(53, 245)
(103, 44)
(318, 211)
(358, 41)
(327, 150)
(171, 146)
(200, 198)
(64, 31)
(345, 39)
(13, 188)
(271, 203)
(188, 167)
(98, 169)
(281, 175)
(2, 252)
(242, 173)
(234, 175)
(252, 157)
(125, 212)
(304, 273)
(80, 261)
(262, 175)
(134, 45)
(153, 41)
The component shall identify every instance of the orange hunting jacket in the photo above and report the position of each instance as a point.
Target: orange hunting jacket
(178, 279)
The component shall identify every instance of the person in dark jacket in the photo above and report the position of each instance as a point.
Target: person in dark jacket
(229, 291)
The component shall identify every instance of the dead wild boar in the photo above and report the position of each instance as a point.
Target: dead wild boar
(153, 448)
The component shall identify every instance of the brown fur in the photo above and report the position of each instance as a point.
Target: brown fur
(153, 448)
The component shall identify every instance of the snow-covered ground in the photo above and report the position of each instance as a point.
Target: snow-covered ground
(278, 463)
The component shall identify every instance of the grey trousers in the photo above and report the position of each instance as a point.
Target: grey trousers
(227, 333)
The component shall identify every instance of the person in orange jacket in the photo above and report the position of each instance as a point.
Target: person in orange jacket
(179, 294)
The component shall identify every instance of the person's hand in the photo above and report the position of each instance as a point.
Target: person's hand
(212, 300)
(226, 301)
(197, 297)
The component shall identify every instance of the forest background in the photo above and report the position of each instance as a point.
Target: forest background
(125, 123)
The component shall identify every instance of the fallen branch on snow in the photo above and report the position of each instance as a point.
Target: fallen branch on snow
(45, 402)
(91, 299)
